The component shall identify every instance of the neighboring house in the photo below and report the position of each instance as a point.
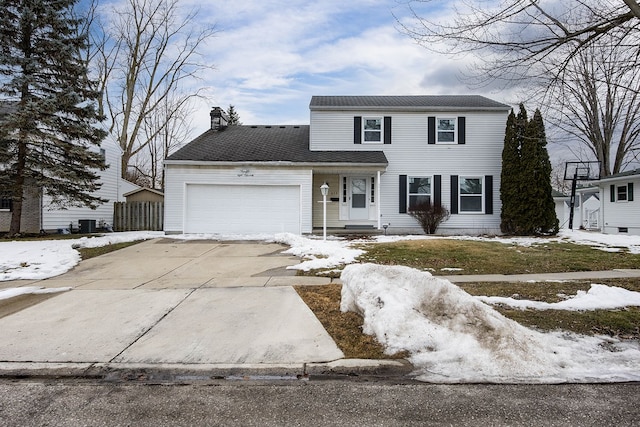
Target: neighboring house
(144, 195)
(378, 154)
(620, 208)
(38, 213)
(586, 210)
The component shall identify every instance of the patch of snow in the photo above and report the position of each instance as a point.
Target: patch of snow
(451, 269)
(28, 290)
(597, 297)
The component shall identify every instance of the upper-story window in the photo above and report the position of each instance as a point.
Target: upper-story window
(372, 129)
(446, 131)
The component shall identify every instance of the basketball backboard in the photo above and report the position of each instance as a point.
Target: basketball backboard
(582, 171)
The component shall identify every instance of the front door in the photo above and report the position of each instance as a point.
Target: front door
(358, 200)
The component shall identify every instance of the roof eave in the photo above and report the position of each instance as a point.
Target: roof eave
(274, 163)
(408, 109)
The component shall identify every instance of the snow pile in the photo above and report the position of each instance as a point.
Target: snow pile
(599, 297)
(30, 290)
(453, 337)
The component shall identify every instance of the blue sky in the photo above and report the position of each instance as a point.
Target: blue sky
(271, 56)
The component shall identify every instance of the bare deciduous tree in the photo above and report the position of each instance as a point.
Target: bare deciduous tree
(514, 35)
(597, 102)
(167, 130)
(146, 51)
(578, 58)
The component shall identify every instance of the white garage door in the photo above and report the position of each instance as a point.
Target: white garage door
(242, 209)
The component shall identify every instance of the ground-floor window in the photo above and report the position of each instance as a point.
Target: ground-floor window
(471, 194)
(419, 190)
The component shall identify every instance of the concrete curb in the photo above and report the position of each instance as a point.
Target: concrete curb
(188, 373)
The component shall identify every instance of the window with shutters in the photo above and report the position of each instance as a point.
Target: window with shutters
(372, 129)
(622, 193)
(419, 190)
(471, 200)
(446, 130)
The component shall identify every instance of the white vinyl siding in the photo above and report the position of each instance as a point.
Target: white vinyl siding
(619, 215)
(410, 154)
(54, 218)
(179, 177)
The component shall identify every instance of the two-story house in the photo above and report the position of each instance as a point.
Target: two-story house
(378, 154)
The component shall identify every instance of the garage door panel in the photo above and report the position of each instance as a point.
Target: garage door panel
(242, 209)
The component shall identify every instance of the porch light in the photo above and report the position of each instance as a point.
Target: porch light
(324, 189)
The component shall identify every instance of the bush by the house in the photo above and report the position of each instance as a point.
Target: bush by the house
(429, 215)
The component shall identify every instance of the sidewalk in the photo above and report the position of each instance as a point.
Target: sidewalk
(542, 277)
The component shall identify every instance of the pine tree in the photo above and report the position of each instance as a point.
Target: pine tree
(511, 180)
(49, 135)
(509, 176)
(527, 201)
(234, 118)
(540, 217)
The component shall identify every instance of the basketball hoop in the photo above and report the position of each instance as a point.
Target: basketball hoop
(579, 171)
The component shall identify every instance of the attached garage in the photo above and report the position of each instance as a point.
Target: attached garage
(243, 209)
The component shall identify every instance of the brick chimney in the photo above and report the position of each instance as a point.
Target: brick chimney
(219, 119)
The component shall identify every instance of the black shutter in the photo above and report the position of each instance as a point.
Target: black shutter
(488, 194)
(387, 130)
(431, 130)
(454, 194)
(612, 190)
(357, 130)
(402, 194)
(461, 130)
(437, 193)
(630, 192)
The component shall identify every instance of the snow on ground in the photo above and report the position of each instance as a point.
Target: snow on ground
(41, 259)
(453, 337)
(598, 297)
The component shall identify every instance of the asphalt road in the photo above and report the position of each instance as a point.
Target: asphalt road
(314, 403)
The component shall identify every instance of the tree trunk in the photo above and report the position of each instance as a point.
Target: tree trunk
(17, 193)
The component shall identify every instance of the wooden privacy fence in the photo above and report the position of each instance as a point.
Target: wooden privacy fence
(137, 216)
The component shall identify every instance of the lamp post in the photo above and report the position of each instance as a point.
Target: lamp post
(324, 189)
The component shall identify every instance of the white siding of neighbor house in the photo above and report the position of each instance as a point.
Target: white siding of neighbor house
(54, 218)
(410, 154)
(178, 176)
(620, 213)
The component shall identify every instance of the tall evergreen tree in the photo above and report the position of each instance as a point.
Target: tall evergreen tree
(49, 138)
(511, 180)
(527, 201)
(540, 216)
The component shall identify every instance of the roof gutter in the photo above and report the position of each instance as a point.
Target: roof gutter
(428, 109)
(273, 164)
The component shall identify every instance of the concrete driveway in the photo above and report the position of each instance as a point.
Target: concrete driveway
(166, 301)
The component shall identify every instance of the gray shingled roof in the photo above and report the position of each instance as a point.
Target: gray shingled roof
(266, 144)
(413, 103)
